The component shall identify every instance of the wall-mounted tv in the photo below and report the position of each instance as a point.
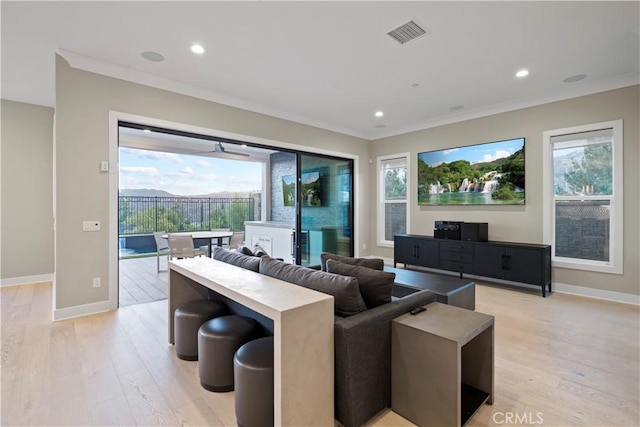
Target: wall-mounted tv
(313, 190)
(482, 174)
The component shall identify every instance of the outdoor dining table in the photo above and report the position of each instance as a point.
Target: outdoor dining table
(205, 235)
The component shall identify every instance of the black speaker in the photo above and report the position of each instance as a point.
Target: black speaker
(447, 230)
(475, 231)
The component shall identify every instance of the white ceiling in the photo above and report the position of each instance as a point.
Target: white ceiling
(181, 144)
(331, 64)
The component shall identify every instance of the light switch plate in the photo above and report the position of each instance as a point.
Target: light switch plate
(90, 225)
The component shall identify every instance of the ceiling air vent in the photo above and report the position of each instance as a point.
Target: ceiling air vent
(407, 32)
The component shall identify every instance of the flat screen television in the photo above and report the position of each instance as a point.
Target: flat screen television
(483, 174)
(313, 188)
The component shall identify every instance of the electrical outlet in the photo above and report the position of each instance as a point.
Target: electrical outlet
(90, 225)
(97, 282)
(364, 246)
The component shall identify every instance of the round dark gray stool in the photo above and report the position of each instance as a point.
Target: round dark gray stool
(253, 373)
(218, 340)
(188, 318)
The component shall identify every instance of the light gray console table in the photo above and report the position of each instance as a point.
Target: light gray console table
(303, 324)
(442, 365)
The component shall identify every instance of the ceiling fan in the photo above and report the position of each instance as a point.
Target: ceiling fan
(219, 148)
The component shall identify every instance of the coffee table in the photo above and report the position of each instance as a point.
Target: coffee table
(448, 289)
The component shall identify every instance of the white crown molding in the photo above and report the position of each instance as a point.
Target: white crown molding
(568, 92)
(109, 69)
(26, 280)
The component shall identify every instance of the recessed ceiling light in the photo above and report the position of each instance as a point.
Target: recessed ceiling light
(575, 78)
(456, 108)
(152, 56)
(522, 73)
(379, 114)
(196, 48)
(146, 131)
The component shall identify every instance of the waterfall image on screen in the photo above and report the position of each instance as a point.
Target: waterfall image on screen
(482, 174)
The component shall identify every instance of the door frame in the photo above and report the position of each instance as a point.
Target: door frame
(117, 116)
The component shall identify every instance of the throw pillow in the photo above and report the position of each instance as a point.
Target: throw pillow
(375, 263)
(345, 290)
(237, 259)
(259, 251)
(244, 249)
(375, 286)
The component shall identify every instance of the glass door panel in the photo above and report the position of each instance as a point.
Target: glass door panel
(325, 196)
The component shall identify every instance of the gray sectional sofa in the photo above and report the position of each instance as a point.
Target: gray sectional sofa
(362, 324)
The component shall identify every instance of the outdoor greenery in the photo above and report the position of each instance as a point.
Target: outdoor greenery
(395, 184)
(592, 173)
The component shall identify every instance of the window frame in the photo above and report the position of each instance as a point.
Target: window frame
(381, 202)
(616, 200)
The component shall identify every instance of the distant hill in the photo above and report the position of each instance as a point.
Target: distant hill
(145, 192)
(148, 192)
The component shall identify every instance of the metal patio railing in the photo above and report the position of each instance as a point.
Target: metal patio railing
(144, 215)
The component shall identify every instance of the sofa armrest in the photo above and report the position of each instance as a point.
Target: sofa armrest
(363, 358)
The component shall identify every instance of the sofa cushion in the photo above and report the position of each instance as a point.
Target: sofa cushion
(345, 290)
(375, 263)
(237, 259)
(375, 286)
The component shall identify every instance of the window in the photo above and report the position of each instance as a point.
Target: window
(582, 172)
(393, 214)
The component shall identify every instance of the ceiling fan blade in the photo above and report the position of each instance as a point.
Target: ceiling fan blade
(219, 148)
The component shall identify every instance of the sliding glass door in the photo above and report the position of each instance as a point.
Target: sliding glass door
(325, 203)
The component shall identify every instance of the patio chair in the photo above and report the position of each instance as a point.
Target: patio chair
(235, 240)
(181, 246)
(162, 246)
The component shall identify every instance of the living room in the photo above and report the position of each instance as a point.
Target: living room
(89, 103)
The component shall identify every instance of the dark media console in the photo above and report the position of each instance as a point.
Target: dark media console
(517, 262)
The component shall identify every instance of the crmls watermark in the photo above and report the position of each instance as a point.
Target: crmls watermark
(518, 418)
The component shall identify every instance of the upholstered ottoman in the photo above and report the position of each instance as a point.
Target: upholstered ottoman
(218, 341)
(253, 374)
(188, 318)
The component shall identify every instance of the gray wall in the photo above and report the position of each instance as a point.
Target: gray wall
(524, 223)
(282, 164)
(83, 102)
(27, 182)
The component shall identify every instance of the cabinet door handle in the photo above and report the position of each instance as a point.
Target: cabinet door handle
(504, 262)
(416, 251)
(507, 259)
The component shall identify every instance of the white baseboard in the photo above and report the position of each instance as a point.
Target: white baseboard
(81, 310)
(596, 293)
(26, 280)
(561, 288)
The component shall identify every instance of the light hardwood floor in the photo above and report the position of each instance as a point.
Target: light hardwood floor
(560, 361)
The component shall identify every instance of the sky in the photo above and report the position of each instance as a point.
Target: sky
(473, 153)
(184, 175)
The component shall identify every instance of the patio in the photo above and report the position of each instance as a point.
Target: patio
(140, 282)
